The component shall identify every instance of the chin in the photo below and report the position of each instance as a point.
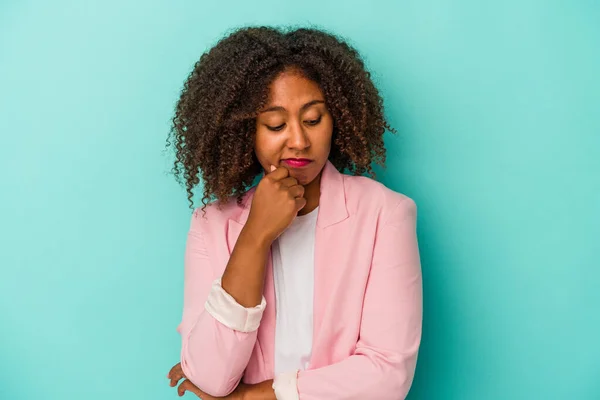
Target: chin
(304, 177)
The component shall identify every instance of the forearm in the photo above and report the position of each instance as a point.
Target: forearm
(243, 278)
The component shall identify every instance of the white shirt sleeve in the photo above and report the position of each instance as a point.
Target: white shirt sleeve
(223, 307)
(285, 386)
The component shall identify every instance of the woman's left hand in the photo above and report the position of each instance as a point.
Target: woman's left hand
(176, 373)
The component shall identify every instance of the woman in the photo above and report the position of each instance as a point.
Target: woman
(308, 284)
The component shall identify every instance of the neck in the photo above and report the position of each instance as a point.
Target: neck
(312, 193)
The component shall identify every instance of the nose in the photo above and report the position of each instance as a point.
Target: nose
(298, 138)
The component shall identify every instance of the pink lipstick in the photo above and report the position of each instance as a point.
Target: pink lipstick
(297, 162)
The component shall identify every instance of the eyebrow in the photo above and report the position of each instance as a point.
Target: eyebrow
(304, 107)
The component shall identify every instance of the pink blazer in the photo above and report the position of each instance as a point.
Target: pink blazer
(367, 298)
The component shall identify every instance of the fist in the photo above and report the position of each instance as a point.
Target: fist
(276, 203)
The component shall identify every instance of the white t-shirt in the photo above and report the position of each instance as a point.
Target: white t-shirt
(293, 274)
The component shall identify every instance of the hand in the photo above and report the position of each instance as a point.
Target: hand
(176, 373)
(276, 202)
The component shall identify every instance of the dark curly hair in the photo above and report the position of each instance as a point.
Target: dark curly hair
(215, 119)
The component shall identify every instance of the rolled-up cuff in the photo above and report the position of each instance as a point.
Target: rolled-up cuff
(223, 307)
(285, 386)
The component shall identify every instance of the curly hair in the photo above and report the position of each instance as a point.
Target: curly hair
(215, 118)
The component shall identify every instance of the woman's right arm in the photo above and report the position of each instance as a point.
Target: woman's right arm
(221, 317)
(219, 323)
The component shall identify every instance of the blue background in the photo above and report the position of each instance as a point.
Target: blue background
(497, 105)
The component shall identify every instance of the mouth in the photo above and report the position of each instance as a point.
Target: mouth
(296, 162)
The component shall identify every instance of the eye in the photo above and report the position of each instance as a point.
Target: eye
(313, 122)
(275, 128)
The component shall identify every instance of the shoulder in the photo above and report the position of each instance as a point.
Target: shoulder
(366, 195)
(215, 214)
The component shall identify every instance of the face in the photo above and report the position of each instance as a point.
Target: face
(294, 128)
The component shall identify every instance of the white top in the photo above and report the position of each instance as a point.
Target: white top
(293, 275)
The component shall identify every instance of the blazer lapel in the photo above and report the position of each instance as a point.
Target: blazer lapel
(328, 240)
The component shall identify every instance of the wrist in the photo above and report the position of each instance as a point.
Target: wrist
(256, 236)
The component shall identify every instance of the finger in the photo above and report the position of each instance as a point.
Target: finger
(172, 370)
(289, 181)
(175, 378)
(300, 203)
(297, 191)
(187, 385)
(182, 388)
(278, 173)
(175, 374)
(178, 375)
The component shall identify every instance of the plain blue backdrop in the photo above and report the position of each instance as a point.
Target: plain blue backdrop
(497, 108)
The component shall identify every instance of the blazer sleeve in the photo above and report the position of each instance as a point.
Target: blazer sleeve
(217, 333)
(383, 364)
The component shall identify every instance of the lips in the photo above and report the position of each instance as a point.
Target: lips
(297, 162)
